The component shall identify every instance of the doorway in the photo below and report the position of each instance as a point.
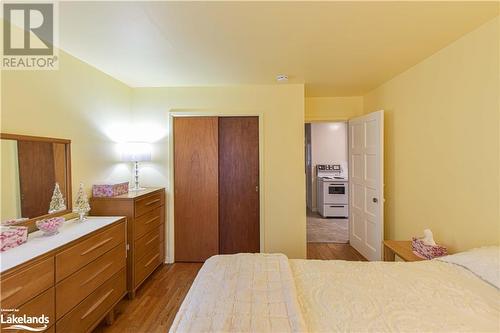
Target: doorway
(327, 182)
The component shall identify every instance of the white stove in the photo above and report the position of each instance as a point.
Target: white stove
(333, 190)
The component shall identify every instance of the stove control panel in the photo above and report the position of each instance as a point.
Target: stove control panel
(329, 167)
(331, 170)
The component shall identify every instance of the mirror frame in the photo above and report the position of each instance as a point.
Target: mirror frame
(69, 201)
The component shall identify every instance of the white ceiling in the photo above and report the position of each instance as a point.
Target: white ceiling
(335, 48)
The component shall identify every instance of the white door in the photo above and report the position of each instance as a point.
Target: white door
(366, 181)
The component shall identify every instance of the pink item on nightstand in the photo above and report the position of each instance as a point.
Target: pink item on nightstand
(427, 251)
(11, 237)
(109, 190)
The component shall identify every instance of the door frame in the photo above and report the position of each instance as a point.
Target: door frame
(344, 121)
(382, 171)
(177, 113)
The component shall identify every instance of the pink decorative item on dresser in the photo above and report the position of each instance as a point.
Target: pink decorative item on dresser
(50, 226)
(109, 190)
(427, 251)
(11, 237)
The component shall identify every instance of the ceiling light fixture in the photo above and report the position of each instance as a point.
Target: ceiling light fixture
(282, 78)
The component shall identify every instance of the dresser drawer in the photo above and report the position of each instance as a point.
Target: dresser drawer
(148, 222)
(42, 304)
(148, 243)
(77, 256)
(87, 279)
(26, 283)
(147, 264)
(148, 203)
(86, 314)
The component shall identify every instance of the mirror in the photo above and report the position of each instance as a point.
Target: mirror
(30, 169)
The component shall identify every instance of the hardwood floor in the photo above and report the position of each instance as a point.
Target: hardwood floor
(157, 301)
(333, 251)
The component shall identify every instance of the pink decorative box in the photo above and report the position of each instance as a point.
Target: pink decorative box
(427, 251)
(14, 221)
(109, 190)
(11, 237)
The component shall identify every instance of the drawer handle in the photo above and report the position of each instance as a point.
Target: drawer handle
(96, 246)
(12, 292)
(152, 259)
(152, 202)
(151, 240)
(96, 304)
(96, 274)
(152, 220)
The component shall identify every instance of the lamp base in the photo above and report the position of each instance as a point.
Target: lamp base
(135, 189)
(136, 186)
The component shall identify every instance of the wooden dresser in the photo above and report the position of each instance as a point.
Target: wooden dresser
(74, 278)
(145, 212)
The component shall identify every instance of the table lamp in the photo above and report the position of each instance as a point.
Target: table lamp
(136, 152)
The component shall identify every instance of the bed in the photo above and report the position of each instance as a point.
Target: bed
(271, 293)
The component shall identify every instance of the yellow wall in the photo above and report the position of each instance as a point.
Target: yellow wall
(10, 196)
(442, 137)
(442, 143)
(76, 102)
(332, 108)
(96, 111)
(281, 109)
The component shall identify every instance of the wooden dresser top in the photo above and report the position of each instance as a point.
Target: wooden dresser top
(131, 194)
(38, 244)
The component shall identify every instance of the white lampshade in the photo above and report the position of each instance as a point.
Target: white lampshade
(136, 152)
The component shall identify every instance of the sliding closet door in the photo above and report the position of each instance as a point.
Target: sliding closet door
(196, 188)
(239, 184)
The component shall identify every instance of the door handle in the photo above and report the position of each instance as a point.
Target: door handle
(375, 200)
(257, 188)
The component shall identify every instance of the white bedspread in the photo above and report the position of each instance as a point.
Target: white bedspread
(430, 296)
(241, 293)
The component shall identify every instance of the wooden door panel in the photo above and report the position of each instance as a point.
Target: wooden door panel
(238, 185)
(196, 188)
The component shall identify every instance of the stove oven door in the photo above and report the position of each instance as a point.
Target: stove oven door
(336, 193)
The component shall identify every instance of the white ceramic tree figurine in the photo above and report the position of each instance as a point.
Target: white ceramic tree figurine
(57, 202)
(82, 206)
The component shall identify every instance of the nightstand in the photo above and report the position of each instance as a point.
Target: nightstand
(401, 249)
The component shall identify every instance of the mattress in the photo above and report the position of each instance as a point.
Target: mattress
(425, 296)
(269, 293)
